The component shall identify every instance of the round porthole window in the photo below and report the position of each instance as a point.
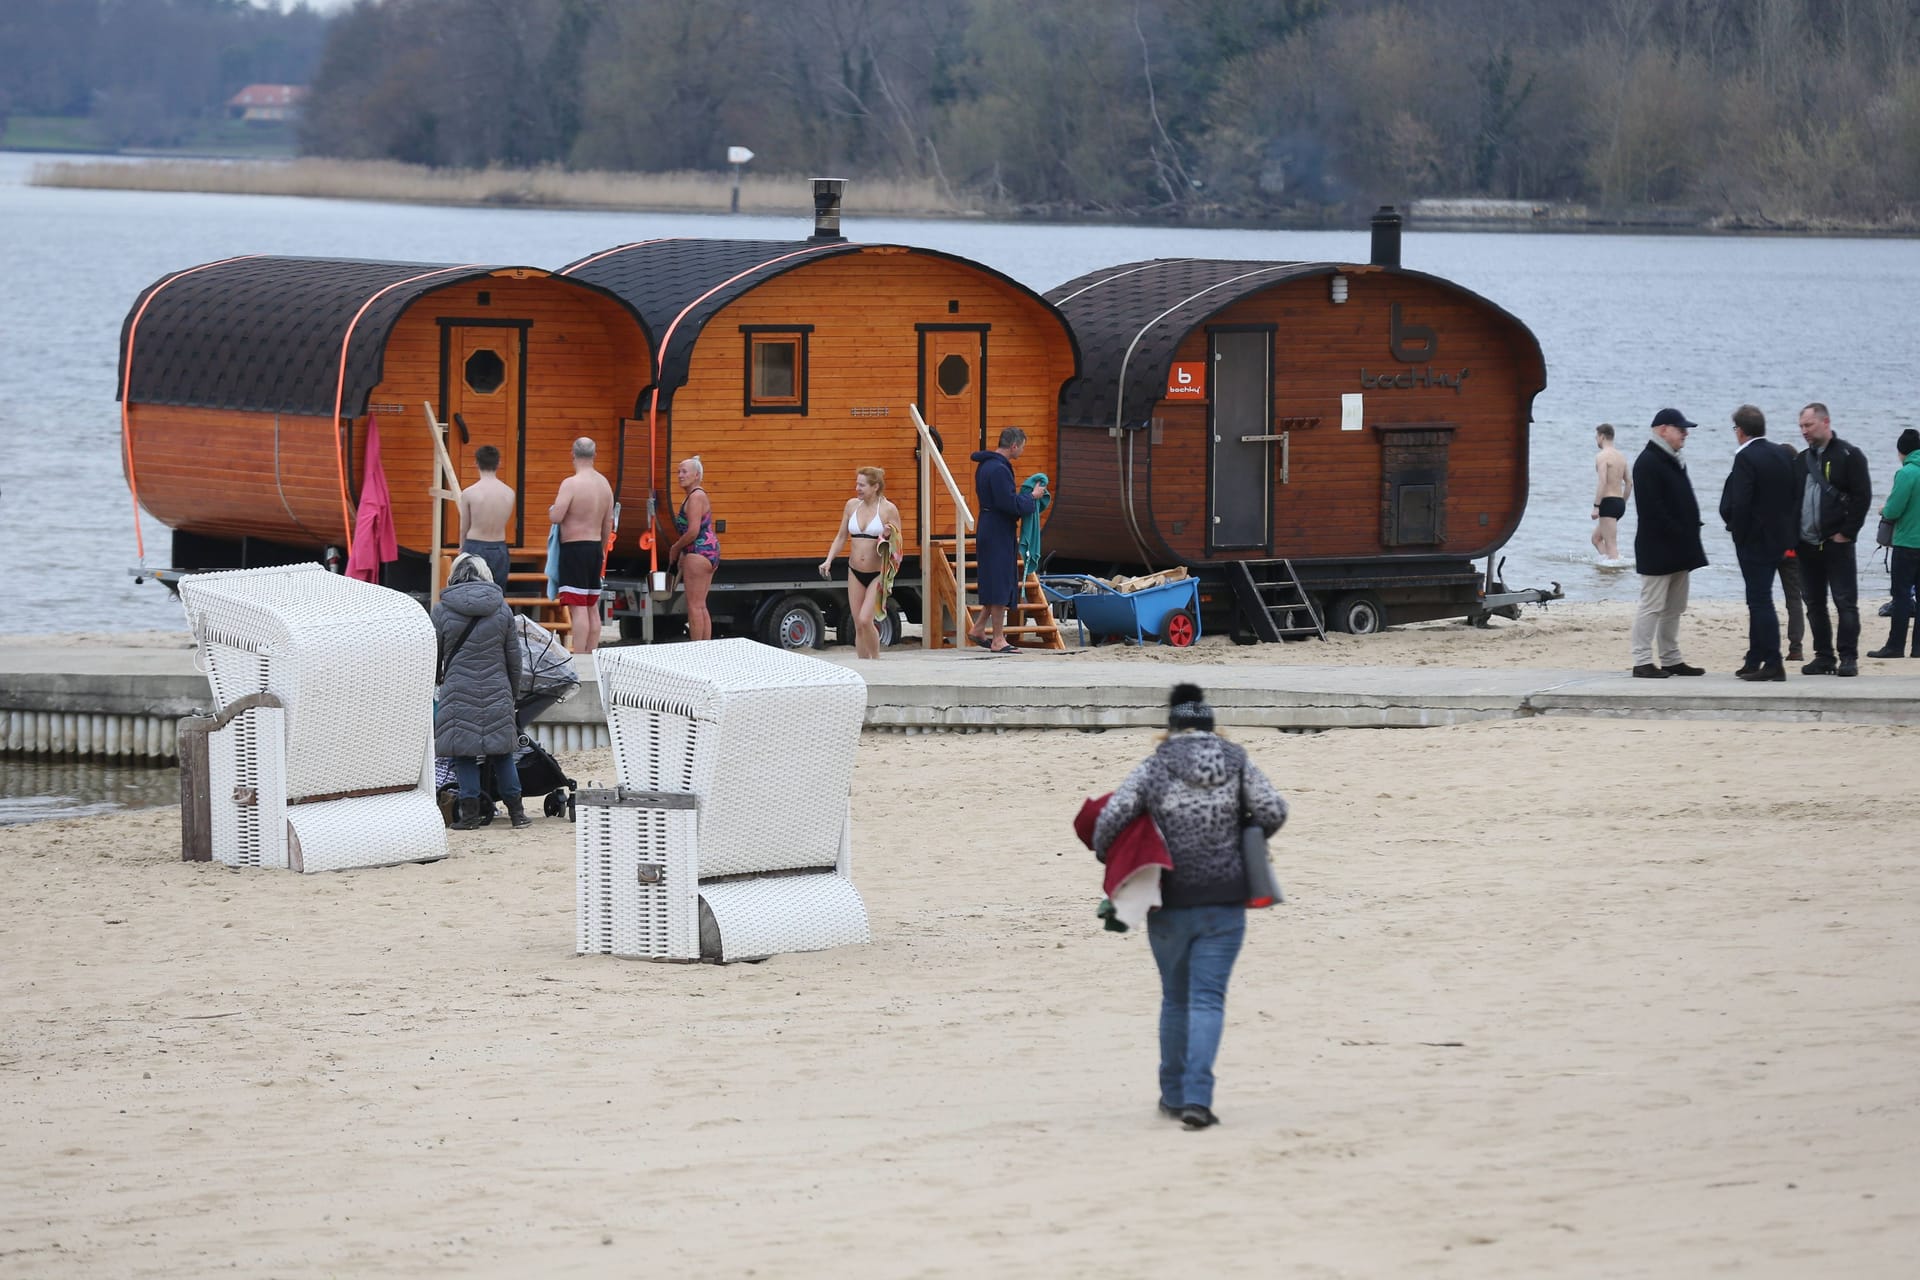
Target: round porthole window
(485, 372)
(954, 375)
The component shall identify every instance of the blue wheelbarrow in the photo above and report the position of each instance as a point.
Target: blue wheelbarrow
(1169, 612)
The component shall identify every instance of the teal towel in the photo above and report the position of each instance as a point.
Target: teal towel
(1030, 525)
(553, 561)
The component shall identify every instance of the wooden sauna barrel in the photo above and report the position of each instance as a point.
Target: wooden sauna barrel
(1321, 412)
(248, 387)
(786, 365)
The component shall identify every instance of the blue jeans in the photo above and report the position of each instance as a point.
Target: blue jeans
(1195, 948)
(466, 775)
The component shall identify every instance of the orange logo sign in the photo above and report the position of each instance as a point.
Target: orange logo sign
(1188, 380)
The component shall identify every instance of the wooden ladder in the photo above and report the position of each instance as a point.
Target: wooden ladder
(526, 590)
(1030, 622)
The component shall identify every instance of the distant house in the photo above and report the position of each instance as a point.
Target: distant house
(267, 102)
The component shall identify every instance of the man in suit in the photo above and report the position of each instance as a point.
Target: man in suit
(1835, 495)
(1666, 548)
(1758, 507)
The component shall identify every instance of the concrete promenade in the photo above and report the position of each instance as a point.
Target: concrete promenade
(105, 702)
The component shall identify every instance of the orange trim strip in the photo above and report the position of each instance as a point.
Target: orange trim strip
(126, 384)
(340, 389)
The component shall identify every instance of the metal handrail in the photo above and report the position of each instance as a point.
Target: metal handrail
(962, 522)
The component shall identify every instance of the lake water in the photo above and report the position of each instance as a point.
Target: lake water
(1628, 323)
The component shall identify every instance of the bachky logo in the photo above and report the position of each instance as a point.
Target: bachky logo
(1187, 380)
(1410, 343)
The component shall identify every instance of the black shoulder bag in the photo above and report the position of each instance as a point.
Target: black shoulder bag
(1263, 888)
(446, 659)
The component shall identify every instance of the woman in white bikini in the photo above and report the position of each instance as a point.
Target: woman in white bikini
(868, 524)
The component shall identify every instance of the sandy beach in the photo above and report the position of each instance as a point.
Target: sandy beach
(1551, 997)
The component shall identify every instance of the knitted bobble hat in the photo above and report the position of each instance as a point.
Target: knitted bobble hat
(1187, 708)
(1909, 441)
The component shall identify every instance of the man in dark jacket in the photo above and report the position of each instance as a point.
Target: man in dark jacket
(1757, 506)
(1666, 548)
(1835, 494)
(998, 536)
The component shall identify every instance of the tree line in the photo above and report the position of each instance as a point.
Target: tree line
(147, 70)
(1788, 111)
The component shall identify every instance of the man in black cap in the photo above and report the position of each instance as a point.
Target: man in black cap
(1757, 506)
(1836, 492)
(1666, 548)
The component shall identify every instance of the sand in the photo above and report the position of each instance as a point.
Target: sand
(1551, 997)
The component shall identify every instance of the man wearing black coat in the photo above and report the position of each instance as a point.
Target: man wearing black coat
(1835, 494)
(1666, 548)
(1757, 505)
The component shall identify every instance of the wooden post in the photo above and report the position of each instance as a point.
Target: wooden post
(962, 521)
(196, 800)
(929, 607)
(444, 487)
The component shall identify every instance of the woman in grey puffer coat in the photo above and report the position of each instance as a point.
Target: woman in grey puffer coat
(474, 713)
(1196, 785)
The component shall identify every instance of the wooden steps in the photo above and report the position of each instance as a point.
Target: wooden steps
(1030, 622)
(537, 604)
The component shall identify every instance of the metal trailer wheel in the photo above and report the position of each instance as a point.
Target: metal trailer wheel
(892, 625)
(1179, 629)
(794, 622)
(1359, 613)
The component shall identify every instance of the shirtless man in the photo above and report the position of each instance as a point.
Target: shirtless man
(1615, 485)
(485, 507)
(584, 512)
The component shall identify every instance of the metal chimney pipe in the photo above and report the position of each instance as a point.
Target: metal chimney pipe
(1386, 237)
(826, 210)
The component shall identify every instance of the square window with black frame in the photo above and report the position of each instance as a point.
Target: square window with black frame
(776, 371)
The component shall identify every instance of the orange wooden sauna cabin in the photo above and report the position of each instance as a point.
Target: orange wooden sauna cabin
(1323, 444)
(248, 387)
(785, 366)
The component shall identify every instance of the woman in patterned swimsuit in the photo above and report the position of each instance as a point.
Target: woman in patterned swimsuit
(696, 552)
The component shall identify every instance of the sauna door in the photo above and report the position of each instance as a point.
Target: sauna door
(953, 364)
(483, 385)
(1240, 412)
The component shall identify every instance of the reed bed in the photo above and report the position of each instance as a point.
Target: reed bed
(551, 188)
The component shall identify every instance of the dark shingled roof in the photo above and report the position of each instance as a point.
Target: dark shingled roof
(263, 334)
(1130, 320)
(679, 285)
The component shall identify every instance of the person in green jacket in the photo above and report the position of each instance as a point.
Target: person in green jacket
(1903, 508)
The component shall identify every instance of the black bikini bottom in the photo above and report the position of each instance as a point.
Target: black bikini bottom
(864, 576)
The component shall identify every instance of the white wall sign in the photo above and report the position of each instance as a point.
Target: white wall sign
(1350, 411)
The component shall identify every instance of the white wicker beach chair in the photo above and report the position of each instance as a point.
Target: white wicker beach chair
(340, 773)
(729, 835)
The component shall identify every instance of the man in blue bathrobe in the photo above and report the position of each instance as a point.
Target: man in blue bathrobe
(997, 540)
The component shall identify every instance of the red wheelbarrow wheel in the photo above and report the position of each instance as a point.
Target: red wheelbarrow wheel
(1179, 629)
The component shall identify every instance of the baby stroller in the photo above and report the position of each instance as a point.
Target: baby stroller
(547, 679)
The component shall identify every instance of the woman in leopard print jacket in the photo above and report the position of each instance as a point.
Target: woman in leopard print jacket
(1196, 785)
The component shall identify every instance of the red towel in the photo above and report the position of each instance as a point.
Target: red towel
(1138, 845)
(374, 541)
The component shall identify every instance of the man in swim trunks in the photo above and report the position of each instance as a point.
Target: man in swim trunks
(584, 512)
(486, 506)
(1615, 483)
